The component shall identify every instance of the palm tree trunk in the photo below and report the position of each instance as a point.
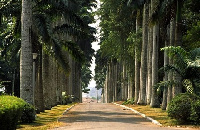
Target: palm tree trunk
(115, 82)
(149, 64)
(144, 55)
(166, 62)
(130, 78)
(70, 78)
(170, 75)
(154, 98)
(26, 58)
(124, 82)
(76, 86)
(119, 85)
(39, 100)
(178, 37)
(137, 63)
(45, 80)
(53, 85)
(106, 86)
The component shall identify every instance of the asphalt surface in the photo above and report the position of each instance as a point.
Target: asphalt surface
(99, 116)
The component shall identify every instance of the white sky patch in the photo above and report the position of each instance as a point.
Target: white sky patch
(95, 46)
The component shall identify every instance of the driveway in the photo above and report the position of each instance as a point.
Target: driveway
(99, 116)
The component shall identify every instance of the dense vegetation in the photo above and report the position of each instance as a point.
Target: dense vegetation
(59, 32)
(149, 51)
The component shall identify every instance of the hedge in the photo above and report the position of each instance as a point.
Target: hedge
(184, 107)
(11, 111)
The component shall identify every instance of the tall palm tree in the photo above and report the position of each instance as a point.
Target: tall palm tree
(149, 59)
(178, 37)
(154, 98)
(143, 73)
(26, 87)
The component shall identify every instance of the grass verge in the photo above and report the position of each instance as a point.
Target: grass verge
(158, 114)
(47, 119)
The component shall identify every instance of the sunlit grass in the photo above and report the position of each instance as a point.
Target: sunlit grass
(157, 114)
(47, 119)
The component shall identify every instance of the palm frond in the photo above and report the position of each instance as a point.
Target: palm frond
(74, 50)
(195, 54)
(135, 3)
(11, 8)
(61, 57)
(171, 68)
(178, 54)
(61, 8)
(164, 84)
(41, 26)
(69, 30)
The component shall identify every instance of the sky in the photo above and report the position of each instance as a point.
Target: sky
(95, 46)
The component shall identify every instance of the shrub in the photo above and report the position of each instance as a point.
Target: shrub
(66, 99)
(28, 114)
(180, 107)
(129, 101)
(195, 112)
(10, 111)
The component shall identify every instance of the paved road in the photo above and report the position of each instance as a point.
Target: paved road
(98, 116)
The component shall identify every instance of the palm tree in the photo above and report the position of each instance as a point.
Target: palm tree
(26, 87)
(143, 73)
(149, 60)
(165, 78)
(154, 98)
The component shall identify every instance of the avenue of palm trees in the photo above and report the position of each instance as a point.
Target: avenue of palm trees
(146, 50)
(149, 50)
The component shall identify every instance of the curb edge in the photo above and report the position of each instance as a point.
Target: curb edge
(141, 114)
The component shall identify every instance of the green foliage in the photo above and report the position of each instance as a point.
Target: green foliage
(191, 17)
(192, 35)
(180, 107)
(135, 40)
(195, 113)
(117, 21)
(66, 99)
(116, 24)
(28, 114)
(187, 65)
(129, 101)
(86, 76)
(47, 32)
(100, 69)
(11, 109)
(59, 28)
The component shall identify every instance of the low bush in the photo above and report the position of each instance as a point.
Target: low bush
(12, 110)
(129, 101)
(195, 112)
(28, 114)
(66, 99)
(180, 107)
